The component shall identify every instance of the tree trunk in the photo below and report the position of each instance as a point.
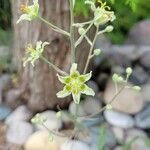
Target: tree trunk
(41, 81)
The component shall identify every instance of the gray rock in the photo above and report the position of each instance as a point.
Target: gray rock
(72, 109)
(110, 140)
(4, 112)
(93, 121)
(18, 132)
(5, 80)
(146, 92)
(142, 119)
(20, 113)
(139, 143)
(91, 105)
(119, 119)
(74, 145)
(119, 133)
(93, 85)
(140, 33)
(52, 123)
(139, 76)
(12, 96)
(145, 61)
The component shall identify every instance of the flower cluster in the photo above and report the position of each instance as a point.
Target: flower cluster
(119, 79)
(33, 54)
(75, 84)
(29, 12)
(102, 13)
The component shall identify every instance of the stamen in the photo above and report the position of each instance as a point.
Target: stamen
(23, 8)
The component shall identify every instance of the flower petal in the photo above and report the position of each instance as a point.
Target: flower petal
(62, 94)
(86, 77)
(44, 44)
(76, 98)
(24, 17)
(38, 45)
(73, 68)
(64, 79)
(88, 91)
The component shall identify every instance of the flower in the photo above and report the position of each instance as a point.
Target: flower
(34, 54)
(75, 84)
(29, 12)
(102, 16)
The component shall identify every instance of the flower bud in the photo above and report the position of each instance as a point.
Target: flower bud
(129, 71)
(38, 119)
(115, 77)
(136, 88)
(109, 28)
(120, 79)
(58, 114)
(108, 106)
(97, 52)
(81, 30)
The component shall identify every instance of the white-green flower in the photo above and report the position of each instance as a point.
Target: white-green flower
(33, 54)
(75, 84)
(102, 13)
(29, 12)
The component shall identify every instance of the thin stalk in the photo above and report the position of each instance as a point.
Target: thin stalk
(72, 40)
(83, 35)
(90, 52)
(55, 28)
(53, 66)
(105, 107)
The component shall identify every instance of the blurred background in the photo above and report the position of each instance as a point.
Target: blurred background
(27, 91)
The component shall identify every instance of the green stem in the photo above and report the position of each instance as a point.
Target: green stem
(83, 35)
(55, 28)
(53, 66)
(105, 107)
(90, 52)
(72, 38)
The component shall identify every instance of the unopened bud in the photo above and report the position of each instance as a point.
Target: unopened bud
(58, 114)
(81, 30)
(109, 28)
(97, 52)
(108, 106)
(136, 88)
(115, 77)
(129, 71)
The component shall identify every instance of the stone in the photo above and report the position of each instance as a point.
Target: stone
(91, 105)
(40, 141)
(5, 80)
(128, 101)
(52, 123)
(4, 112)
(140, 33)
(72, 109)
(133, 133)
(18, 132)
(119, 119)
(119, 133)
(3, 128)
(142, 119)
(74, 145)
(140, 138)
(20, 113)
(118, 148)
(92, 84)
(89, 122)
(139, 76)
(144, 60)
(12, 96)
(146, 92)
(110, 140)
